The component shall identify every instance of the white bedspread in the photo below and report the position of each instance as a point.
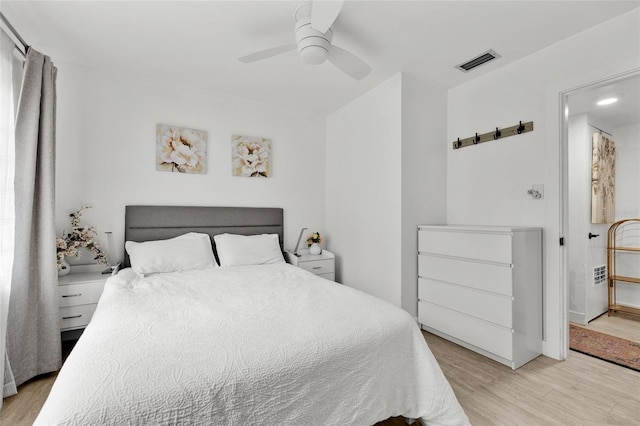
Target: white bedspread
(268, 345)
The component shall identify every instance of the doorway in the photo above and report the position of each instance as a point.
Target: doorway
(585, 122)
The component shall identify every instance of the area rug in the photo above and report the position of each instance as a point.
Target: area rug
(608, 348)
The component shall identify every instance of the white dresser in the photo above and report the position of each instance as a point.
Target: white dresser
(78, 297)
(481, 287)
(323, 264)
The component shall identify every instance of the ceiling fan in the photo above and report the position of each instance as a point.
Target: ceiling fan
(313, 39)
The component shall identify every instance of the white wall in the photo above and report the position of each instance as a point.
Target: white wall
(363, 190)
(424, 175)
(106, 152)
(385, 176)
(486, 184)
(627, 140)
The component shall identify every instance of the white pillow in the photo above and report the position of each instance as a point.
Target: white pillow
(188, 251)
(236, 250)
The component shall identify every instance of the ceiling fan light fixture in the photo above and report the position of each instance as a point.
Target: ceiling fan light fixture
(314, 46)
(314, 54)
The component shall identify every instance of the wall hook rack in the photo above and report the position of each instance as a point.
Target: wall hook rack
(518, 129)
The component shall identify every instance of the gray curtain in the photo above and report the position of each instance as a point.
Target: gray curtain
(33, 331)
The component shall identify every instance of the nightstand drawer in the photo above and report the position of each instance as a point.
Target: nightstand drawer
(80, 294)
(76, 316)
(331, 276)
(318, 266)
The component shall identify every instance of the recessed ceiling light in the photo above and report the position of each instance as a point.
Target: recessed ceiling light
(607, 101)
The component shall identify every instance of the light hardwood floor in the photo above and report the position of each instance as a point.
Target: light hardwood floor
(626, 326)
(581, 391)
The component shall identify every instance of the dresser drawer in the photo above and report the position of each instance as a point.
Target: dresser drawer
(494, 277)
(80, 294)
(490, 307)
(492, 247)
(318, 267)
(76, 316)
(490, 337)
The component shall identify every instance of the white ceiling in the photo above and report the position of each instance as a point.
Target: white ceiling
(197, 44)
(622, 113)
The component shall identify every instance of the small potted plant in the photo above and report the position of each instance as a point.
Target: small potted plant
(313, 242)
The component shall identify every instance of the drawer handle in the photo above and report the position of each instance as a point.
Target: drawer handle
(72, 295)
(316, 267)
(74, 316)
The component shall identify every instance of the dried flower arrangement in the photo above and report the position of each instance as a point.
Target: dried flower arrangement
(80, 236)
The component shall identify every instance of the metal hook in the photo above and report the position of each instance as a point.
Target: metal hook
(476, 139)
(534, 193)
(497, 134)
(520, 128)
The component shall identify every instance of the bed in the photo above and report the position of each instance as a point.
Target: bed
(244, 344)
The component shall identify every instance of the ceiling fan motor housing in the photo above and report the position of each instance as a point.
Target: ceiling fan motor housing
(313, 45)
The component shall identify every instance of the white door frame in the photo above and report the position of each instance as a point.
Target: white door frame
(564, 190)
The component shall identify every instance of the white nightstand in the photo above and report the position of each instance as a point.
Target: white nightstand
(78, 295)
(323, 264)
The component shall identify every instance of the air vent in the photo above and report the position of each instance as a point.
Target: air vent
(483, 58)
(599, 275)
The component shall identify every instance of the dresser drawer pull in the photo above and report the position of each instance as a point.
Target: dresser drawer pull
(316, 267)
(72, 295)
(74, 316)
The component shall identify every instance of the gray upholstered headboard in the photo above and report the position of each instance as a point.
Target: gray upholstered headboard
(145, 223)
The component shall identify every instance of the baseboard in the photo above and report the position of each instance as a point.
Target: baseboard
(577, 317)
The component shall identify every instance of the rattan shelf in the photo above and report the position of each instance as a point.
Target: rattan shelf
(616, 237)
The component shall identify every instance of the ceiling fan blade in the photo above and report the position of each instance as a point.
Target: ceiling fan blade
(348, 63)
(324, 13)
(267, 53)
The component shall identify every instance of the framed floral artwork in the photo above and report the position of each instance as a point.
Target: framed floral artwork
(250, 156)
(181, 150)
